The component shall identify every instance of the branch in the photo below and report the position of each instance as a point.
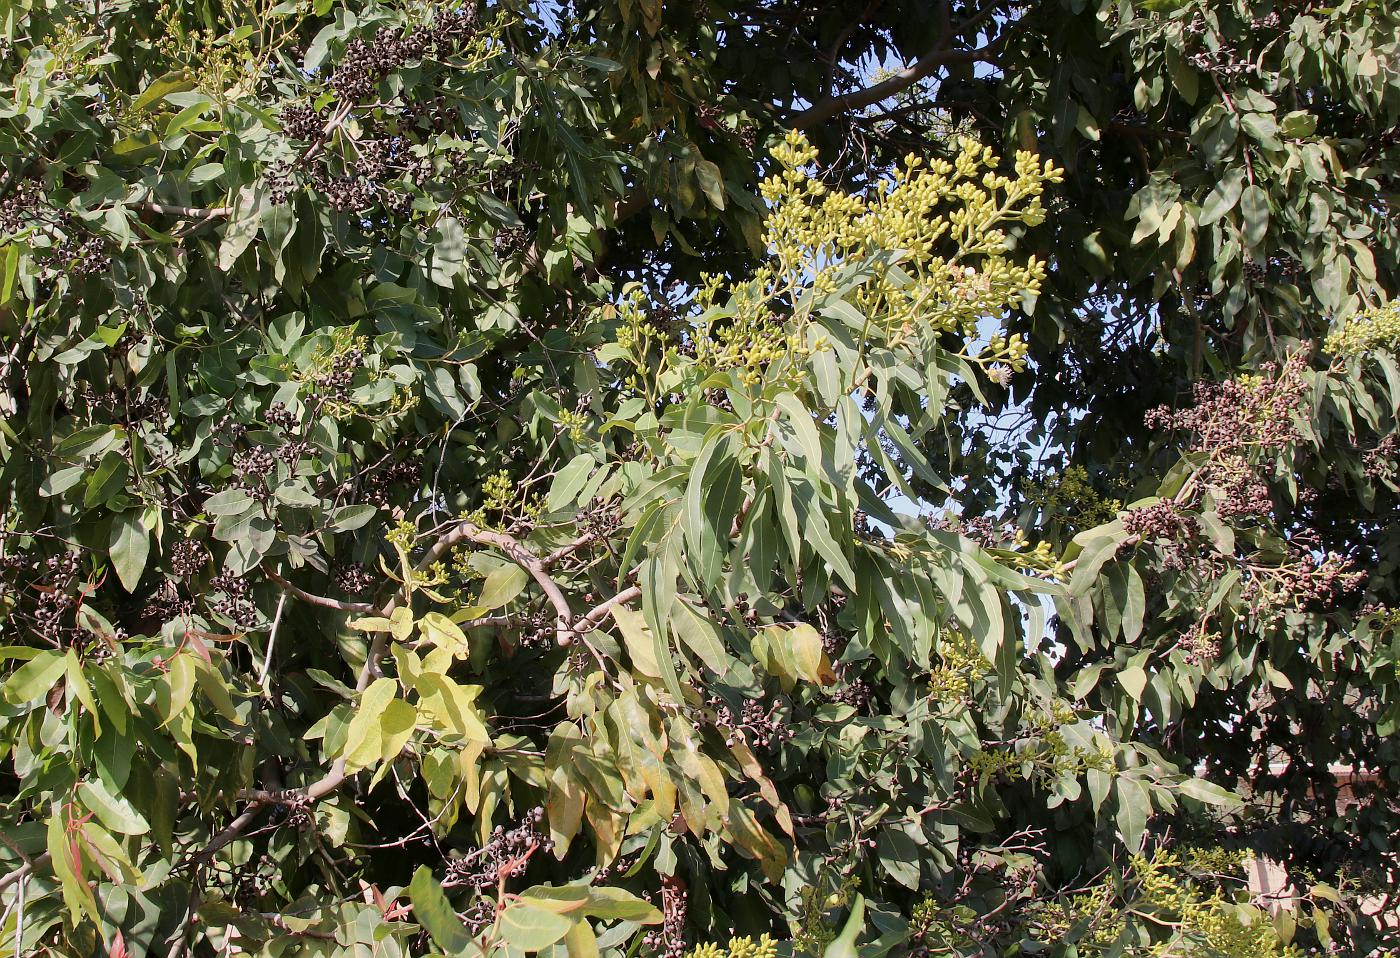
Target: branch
(518, 554)
(568, 549)
(20, 873)
(364, 608)
(566, 628)
(590, 621)
(187, 212)
(833, 106)
(232, 831)
(940, 55)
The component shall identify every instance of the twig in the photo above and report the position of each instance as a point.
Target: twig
(939, 55)
(23, 871)
(271, 643)
(518, 554)
(564, 551)
(363, 608)
(591, 620)
(188, 212)
(19, 917)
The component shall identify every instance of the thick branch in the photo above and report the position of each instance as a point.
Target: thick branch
(591, 620)
(188, 212)
(518, 554)
(19, 873)
(940, 55)
(831, 107)
(363, 608)
(568, 549)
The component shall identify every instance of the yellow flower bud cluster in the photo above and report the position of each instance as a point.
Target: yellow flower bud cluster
(498, 492)
(963, 663)
(1070, 496)
(944, 220)
(932, 242)
(1162, 887)
(1001, 349)
(746, 947)
(1370, 330)
(1027, 556)
(402, 536)
(576, 423)
(223, 66)
(1212, 918)
(72, 48)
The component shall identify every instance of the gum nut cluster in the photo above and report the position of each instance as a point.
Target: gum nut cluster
(506, 855)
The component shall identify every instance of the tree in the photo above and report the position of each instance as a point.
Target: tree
(453, 458)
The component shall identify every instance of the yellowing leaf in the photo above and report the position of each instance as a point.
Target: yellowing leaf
(449, 707)
(809, 655)
(372, 623)
(638, 640)
(364, 740)
(401, 623)
(444, 633)
(396, 724)
(580, 941)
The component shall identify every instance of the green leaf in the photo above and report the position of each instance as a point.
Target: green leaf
(67, 863)
(61, 481)
(160, 88)
(1223, 197)
(241, 229)
(1097, 546)
(1208, 792)
(34, 679)
(569, 481)
(229, 502)
(1133, 680)
(113, 811)
(658, 582)
(87, 441)
(844, 944)
(212, 683)
(350, 518)
(180, 679)
(618, 904)
(502, 585)
(108, 479)
(1299, 124)
(712, 499)
(432, 910)
(1134, 808)
(129, 547)
(711, 182)
(529, 927)
(697, 633)
(10, 272)
(1254, 209)
(1134, 605)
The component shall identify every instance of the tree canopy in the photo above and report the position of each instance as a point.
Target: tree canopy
(700, 477)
